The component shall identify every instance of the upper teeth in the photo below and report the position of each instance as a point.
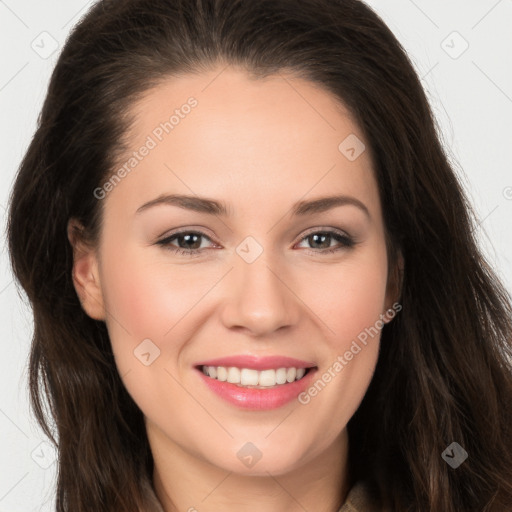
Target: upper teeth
(250, 377)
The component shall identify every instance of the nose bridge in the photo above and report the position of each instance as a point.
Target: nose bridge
(260, 299)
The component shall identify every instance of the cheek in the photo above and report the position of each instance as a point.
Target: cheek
(147, 298)
(144, 308)
(350, 304)
(141, 305)
(351, 298)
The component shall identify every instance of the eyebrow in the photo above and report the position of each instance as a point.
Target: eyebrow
(213, 207)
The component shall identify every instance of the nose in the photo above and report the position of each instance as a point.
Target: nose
(260, 298)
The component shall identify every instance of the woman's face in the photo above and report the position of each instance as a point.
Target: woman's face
(270, 278)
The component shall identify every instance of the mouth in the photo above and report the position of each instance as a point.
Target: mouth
(261, 388)
(255, 379)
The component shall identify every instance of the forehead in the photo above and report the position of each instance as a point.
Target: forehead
(222, 133)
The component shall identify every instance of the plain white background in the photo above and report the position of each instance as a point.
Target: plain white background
(461, 49)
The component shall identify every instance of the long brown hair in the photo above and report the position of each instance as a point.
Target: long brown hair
(444, 371)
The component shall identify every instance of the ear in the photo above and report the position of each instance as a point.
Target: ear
(394, 285)
(85, 272)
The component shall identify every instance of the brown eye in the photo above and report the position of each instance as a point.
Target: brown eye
(189, 242)
(320, 241)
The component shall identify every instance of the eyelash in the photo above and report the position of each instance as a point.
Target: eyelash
(346, 241)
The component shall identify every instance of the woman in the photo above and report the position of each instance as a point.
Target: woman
(198, 350)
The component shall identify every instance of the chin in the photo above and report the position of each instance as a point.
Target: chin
(250, 461)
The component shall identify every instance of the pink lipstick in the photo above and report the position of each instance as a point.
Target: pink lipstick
(255, 382)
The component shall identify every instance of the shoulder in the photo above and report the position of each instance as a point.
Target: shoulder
(360, 499)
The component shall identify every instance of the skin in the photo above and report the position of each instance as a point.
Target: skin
(259, 146)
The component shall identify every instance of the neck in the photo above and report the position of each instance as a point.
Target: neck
(185, 482)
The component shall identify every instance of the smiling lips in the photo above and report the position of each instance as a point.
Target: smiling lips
(256, 383)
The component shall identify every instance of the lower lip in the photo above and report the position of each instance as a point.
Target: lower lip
(258, 399)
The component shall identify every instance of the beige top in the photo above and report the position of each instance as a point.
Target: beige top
(358, 500)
